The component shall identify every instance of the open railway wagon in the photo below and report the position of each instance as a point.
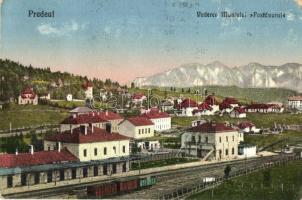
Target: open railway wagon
(121, 186)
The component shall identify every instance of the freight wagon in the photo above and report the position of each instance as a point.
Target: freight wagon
(121, 186)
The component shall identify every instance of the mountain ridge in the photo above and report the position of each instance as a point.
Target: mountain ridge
(252, 75)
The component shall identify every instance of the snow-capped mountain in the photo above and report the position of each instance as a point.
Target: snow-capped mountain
(252, 75)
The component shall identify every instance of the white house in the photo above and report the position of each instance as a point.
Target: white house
(187, 106)
(90, 143)
(203, 109)
(295, 102)
(137, 127)
(161, 120)
(88, 87)
(138, 98)
(28, 96)
(247, 150)
(264, 108)
(212, 141)
(248, 127)
(238, 112)
(69, 97)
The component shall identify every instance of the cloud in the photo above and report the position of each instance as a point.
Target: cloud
(299, 2)
(66, 29)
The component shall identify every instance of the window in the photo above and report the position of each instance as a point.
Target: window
(207, 139)
(49, 176)
(193, 138)
(226, 152)
(142, 131)
(220, 139)
(227, 139)
(146, 130)
(124, 167)
(105, 170)
(9, 181)
(114, 168)
(114, 150)
(233, 151)
(233, 138)
(124, 149)
(73, 174)
(23, 179)
(95, 171)
(37, 178)
(139, 131)
(62, 175)
(149, 130)
(85, 152)
(95, 151)
(105, 151)
(85, 172)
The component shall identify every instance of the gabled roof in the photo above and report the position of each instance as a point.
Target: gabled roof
(230, 100)
(262, 106)
(224, 105)
(78, 137)
(295, 98)
(204, 106)
(87, 84)
(81, 110)
(239, 110)
(155, 114)
(140, 121)
(92, 117)
(187, 103)
(138, 96)
(37, 158)
(246, 124)
(211, 100)
(210, 127)
(28, 92)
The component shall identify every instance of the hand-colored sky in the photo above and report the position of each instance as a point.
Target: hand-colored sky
(130, 38)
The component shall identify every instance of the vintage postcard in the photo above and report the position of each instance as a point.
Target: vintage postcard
(151, 99)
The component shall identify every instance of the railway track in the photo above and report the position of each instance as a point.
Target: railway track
(167, 180)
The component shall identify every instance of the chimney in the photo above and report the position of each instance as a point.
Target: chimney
(106, 112)
(93, 114)
(74, 116)
(108, 127)
(17, 151)
(59, 147)
(31, 149)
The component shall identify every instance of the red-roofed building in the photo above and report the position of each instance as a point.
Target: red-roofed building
(138, 98)
(28, 96)
(231, 101)
(211, 141)
(203, 109)
(264, 108)
(36, 158)
(211, 100)
(187, 106)
(248, 127)
(90, 143)
(137, 127)
(161, 120)
(238, 112)
(98, 119)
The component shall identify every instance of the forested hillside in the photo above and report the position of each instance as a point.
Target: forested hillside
(15, 76)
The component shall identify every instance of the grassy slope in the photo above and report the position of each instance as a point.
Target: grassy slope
(29, 115)
(290, 175)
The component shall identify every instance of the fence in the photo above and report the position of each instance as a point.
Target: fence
(200, 186)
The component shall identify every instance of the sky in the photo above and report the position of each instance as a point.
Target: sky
(125, 39)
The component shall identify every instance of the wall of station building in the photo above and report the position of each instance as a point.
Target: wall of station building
(61, 176)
